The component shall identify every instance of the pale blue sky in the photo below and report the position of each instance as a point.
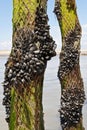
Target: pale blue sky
(6, 21)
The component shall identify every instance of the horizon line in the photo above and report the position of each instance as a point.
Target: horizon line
(7, 52)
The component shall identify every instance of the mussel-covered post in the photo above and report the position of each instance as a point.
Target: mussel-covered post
(24, 73)
(72, 89)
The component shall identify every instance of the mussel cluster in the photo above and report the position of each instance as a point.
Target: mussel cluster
(72, 100)
(57, 10)
(69, 56)
(29, 55)
(47, 45)
(7, 99)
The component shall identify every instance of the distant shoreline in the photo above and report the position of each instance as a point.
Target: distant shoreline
(81, 53)
(4, 53)
(7, 52)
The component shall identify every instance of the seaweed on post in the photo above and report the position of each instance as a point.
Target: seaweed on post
(72, 88)
(24, 74)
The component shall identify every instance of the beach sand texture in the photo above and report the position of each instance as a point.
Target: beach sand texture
(51, 94)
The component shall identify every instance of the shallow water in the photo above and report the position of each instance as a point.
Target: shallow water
(51, 94)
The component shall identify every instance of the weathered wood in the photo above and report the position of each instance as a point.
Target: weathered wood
(24, 74)
(72, 88)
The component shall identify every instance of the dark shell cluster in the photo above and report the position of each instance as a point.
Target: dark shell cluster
(72, 100)
(69, 56)
(57, 10)
(29, 56)
(47, 45)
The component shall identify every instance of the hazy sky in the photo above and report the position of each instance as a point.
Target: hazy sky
(6, 23)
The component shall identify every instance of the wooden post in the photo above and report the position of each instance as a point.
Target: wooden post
(72, 89)
(24, 74)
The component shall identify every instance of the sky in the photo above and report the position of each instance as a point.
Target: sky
(6, 23)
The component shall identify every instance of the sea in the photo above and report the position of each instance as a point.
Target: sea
(51, 94)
